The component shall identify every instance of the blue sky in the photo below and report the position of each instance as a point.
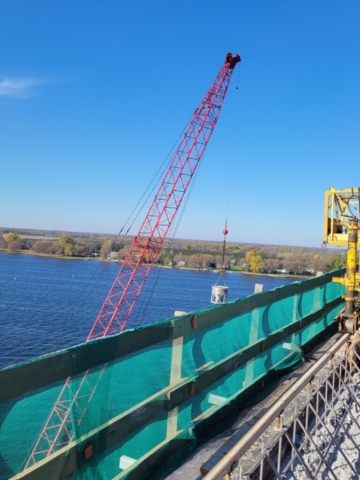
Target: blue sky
(94, 94)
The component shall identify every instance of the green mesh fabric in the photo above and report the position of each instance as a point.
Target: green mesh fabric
(137, 397)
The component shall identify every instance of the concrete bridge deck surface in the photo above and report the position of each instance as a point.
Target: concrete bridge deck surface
(208, 454)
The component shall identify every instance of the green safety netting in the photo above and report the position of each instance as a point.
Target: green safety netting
(137, 397)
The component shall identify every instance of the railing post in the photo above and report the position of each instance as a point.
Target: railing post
(175, 376)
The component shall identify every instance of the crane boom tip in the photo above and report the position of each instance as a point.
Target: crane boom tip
(231, 60)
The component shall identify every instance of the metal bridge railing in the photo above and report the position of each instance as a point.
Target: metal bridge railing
(312, 429)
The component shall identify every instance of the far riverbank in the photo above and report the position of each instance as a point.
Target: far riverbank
(277, 260)
(194, 269)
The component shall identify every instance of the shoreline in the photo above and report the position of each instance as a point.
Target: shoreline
(277, 275)
(200, 269)
(46, 255)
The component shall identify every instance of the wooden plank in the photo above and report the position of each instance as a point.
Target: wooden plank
(26, 377)
(207, 413)
(216, 371)
(172, 423)
(162, 450)
(29, 376)
(68, 459)
(176, 360)
(253, 338)
(212, 372)
(259, 287)
(175, 378)
(217, 314)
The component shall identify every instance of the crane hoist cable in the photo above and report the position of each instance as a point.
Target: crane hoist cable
(225, 231)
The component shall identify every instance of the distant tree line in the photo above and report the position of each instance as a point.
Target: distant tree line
(64, 246)
(270, 259)
(249, 258)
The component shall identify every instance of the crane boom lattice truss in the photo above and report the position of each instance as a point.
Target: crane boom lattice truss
(118, 305)
(145, 248)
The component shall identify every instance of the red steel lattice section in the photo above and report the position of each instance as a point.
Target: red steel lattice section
(145, 248)
(118, 305)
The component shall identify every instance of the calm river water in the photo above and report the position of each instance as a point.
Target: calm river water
(47, 304)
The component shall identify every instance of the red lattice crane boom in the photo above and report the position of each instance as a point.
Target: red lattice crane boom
(146, 246)
(118, 305)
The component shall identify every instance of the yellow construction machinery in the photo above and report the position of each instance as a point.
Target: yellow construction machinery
(341, 225)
